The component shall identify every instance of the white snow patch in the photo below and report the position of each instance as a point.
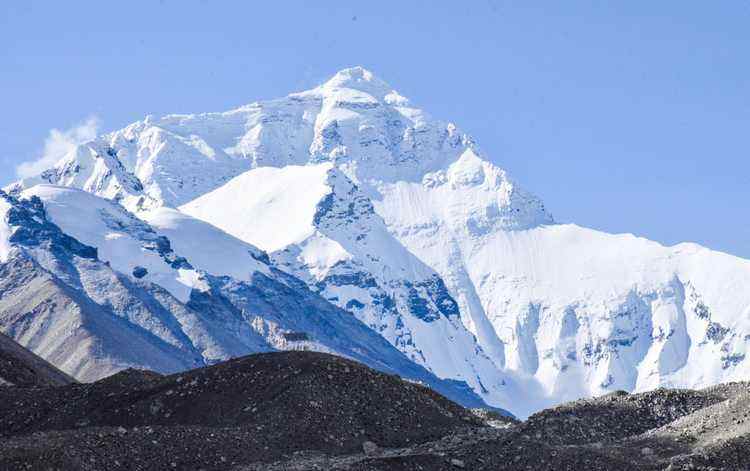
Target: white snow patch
(319, 254)
(191, 279)
(206, 247)
(270, 208)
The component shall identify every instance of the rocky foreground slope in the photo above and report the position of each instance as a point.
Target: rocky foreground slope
(259, 408)
(307, 411)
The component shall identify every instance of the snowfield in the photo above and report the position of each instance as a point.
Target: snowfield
(402, 221)
(207, 247)
(268, 207)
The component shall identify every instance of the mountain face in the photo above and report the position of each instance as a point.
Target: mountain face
(401, 221)
(93, 289)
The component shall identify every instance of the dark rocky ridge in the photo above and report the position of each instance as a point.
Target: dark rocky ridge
(256, 408)
(20, 367)
(307, 411)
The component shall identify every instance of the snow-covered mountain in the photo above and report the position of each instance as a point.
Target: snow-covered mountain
(402, 221)
(93, 289)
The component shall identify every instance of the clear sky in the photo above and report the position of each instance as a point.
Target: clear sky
(628, 116)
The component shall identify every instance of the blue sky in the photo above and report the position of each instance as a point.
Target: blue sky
(623, 116)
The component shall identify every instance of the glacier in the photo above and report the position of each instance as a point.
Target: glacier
(402, 221)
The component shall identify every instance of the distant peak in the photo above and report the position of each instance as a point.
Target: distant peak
(361, 79)
(355, 77)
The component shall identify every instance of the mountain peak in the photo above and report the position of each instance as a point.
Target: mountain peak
(362, 80)
(357, 78)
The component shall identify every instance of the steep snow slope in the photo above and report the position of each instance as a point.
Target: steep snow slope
(579, 311)
(586, 312)
(129, 245)
(369, 200)
(207, 247)
(268, 207)
(121, 239)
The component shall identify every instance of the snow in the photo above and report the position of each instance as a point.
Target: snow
(270, 208)
(115, 233)
(356, 80)
(527, 280)
(5, 231)
(205, 246)
(319, 253)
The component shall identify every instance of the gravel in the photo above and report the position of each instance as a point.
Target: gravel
(288, 411)
(253, 409)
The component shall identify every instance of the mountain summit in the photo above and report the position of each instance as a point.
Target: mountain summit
(360, 79)
(401, 221)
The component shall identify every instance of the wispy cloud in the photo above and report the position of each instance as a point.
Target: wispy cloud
(57, 144)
